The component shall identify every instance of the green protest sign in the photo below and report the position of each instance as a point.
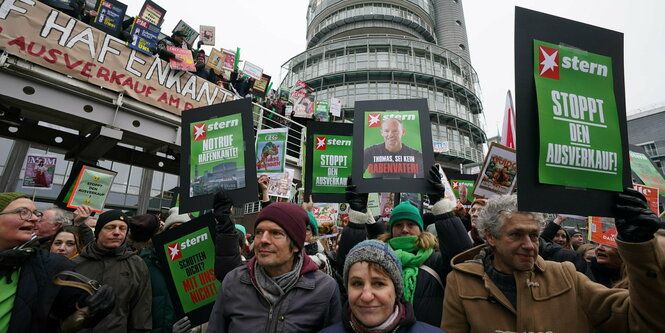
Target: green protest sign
(187, 257)
(463, 190)
(217, 157)
(270, 150)
(388, 151)
(91, 188)
(332, 163)
(580, 141)
(642, 166)
(321, 111)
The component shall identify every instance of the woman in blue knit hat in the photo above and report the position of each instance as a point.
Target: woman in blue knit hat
(424, 256)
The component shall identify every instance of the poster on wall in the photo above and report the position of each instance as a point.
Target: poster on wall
(186, 257)
(271, 150)
(39, 171)
(110, 14)
(499, 172)
(393, 147)
(214, 145)
(91, 188)
(143, 36)
(152, 13)
(328, 160)
(572, 135)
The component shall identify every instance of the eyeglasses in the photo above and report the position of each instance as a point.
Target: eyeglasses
(24, 213)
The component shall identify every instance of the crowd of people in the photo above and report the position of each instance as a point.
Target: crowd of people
(491, 269)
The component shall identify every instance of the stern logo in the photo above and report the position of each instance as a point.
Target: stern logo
(200, 132)
(374, 120)
(548, 60)
(174, 251)
(320, 143)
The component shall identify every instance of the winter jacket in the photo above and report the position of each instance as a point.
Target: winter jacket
(163, 312)
(312, 304)
(428, 296)
(554, 297)
(39, 305)
(603, 274)
(126, 272)
(554, 252)
(408, 324)
(162, 48)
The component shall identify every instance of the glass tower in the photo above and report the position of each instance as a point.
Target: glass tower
(369, 50)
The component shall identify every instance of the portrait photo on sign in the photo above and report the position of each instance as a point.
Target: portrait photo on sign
(499, 172)
(394, 144)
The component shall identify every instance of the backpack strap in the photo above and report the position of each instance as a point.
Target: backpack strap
(432, 273)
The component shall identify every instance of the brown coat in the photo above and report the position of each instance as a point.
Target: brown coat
(555, 298)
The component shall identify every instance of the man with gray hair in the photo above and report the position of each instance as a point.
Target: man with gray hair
(52, 219)
(505, 286)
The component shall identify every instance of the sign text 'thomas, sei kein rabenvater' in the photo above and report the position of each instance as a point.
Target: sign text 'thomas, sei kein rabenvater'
(580, 142)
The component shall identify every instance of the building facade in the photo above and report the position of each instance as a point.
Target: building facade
(373, 50)
(645, 129)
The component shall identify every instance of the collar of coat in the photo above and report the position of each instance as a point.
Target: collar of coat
(307, 266)
(478, 255)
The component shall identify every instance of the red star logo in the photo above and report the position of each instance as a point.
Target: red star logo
(455, 184)
(199, 132)
(320, 143)
(548, 62)
(174, 251)
(374, 120)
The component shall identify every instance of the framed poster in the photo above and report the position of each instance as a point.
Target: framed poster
(393, 146)
(328, 160)
(183, 60)
(152, 13)
(336, 107)
(190, 34)
(327, 217)
(571, 127)
(187, 258)
(215, 61)
(262, 84)
(498, 175)
(217, 153)
(39, 171)
(91, 188)
(229, 60)
(207, 34)
(143, 36)
(463, 186)
(280, 183)
(252, 70)
(110, 14)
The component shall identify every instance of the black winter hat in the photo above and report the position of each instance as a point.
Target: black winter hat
(109, 216)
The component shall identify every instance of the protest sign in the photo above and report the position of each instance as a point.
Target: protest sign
(152, 13)
(215, 61)
(326, 215)
(602, 230)
(386, 203)
(642, 166)
(39, 171)
(207, 34)
(260, 86)
(183, 60)
(463, 186)
(651, 194)
(229, 60)
(110, 14)
(336, 107)
(271, 150)
(252, 70)
(448, 193)
(143, 36)
(393, 145)
(215, 155)
(70, 47)
(328, 160)
(91, 188)
(372, 206)
(299, 96)
(499, 172)
(187, 259)
(190, 33)
(321, 111)
(280, 184)
(571, 130)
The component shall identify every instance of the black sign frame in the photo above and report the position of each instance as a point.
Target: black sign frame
(321, 128)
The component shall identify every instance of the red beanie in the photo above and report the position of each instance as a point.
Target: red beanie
(291, 217)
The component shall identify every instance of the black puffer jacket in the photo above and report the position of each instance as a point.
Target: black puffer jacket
(39, 305)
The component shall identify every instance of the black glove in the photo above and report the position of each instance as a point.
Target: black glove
(99, 305)
(222, 204)
(357, 201)
(635, 222)
(434, 179)
(183, 325)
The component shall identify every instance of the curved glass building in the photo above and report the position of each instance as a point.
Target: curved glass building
(393, 49)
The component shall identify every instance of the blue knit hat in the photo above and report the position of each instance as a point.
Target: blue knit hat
(406, 211)
(377, 252)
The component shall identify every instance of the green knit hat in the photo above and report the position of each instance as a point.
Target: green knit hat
(313, 224)
(406, 211)
(7, 198)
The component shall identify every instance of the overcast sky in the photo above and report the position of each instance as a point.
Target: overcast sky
(270, 32)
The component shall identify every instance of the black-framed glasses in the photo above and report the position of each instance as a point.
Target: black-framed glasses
(24, 213)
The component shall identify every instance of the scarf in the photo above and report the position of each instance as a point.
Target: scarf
(274, 288)
(387, 326)
(404, 248)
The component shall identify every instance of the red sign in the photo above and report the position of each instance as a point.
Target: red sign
(651, 194)
(602, 230)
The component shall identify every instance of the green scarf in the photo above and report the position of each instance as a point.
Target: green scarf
(405, 247)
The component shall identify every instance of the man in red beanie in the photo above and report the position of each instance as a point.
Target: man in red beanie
(280, 289)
